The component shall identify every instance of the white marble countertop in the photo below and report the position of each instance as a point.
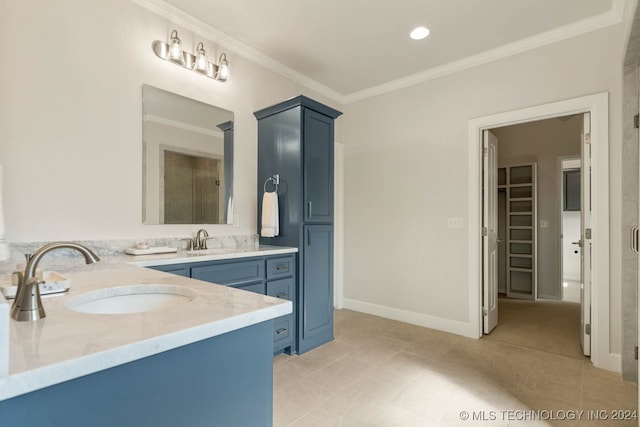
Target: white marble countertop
(207, 255)
(68, 344)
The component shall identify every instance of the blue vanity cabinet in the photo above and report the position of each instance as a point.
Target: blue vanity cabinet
(296, 142)
(270, 275)
(225, 380)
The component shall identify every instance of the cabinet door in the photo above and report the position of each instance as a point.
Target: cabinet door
(316, 293)
(318, 167)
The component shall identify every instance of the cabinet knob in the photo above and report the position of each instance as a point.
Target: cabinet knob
(281, 267)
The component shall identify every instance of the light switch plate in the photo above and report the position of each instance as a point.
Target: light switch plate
(455, 223)
(544, 223)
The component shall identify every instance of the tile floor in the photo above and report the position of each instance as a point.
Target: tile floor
(380, 372)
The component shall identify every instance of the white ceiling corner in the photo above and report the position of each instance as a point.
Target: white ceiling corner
(343, 62)
(597, 22)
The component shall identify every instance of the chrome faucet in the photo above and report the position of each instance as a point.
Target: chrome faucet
(27, 305)
(201, 239)
(199, 242)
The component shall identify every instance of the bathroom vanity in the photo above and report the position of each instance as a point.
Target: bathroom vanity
(272, 275)
(204, 362)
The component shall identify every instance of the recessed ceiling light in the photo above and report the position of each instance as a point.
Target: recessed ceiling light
(419, 33)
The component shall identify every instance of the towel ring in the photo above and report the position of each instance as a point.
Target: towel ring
(275, 179)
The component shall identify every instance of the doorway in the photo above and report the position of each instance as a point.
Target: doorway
(597, 106)
(529, 310)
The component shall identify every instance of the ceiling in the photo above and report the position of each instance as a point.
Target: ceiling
(352, 47)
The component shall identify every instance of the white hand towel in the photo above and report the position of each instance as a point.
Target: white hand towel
(270, 222)
(230, 211)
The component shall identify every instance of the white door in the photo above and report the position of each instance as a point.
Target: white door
(490, 231)
(585, 237)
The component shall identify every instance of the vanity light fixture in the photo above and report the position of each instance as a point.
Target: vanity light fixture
(174, 53)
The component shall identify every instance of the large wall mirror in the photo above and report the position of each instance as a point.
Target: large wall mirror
(187, 152)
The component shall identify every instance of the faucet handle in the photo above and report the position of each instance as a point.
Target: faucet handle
(28, 256)
(204, 241)
(189, 243)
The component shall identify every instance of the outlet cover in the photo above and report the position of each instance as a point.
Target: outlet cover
(455, 223)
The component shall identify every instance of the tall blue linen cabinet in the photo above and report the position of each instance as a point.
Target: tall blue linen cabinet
(295, 149)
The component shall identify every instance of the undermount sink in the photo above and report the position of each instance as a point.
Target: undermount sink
(131, 299)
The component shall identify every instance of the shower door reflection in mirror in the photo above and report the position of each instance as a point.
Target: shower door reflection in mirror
(187, 160)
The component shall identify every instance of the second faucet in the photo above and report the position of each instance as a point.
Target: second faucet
(199, 242)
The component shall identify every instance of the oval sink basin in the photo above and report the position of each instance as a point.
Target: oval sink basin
(131, 299)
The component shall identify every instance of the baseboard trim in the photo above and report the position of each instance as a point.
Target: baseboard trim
(609, 361)
(433, 322)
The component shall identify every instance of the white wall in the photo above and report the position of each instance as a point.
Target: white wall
(71, 117)
(406, 156)
(543, 142)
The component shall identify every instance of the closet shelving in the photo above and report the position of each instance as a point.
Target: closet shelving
(520, 184)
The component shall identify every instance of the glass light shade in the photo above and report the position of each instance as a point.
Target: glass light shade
(202, 62)
(223, 68)
(175, 48)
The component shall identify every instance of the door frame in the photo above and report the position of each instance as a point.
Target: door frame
(598, 106)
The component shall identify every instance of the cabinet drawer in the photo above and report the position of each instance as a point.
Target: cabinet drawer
(280, 267)
(282, 331)
(258, 288)
(282, 289)
(233, 273)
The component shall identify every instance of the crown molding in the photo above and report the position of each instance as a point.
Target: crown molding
(612, 17)
(619, 10)
(196, 26)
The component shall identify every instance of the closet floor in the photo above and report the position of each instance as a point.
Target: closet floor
(571, 290)
(551, 326)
